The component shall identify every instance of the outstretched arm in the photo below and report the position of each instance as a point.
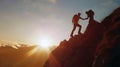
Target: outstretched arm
(87, 17)
(83, 18)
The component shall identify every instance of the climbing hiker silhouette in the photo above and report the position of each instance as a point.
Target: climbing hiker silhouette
(75, 20)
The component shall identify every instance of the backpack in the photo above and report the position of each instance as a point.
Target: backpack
(74, 19)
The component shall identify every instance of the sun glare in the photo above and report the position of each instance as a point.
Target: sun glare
(44, 43)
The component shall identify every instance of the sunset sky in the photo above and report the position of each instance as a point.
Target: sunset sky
(29, 21)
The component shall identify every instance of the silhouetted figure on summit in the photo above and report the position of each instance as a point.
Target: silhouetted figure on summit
(75, 20)
(92, 23)
(90, 15)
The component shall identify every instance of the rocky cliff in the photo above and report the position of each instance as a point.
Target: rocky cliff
(97, 47)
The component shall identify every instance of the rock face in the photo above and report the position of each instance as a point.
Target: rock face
(97, 47)
(108, 51)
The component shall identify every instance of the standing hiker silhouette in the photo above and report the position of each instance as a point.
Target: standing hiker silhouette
(92, 22)
(75, 20)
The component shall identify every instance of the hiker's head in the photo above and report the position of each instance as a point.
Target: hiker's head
(90, 12)
(79, 14)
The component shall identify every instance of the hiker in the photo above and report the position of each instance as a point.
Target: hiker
(75, 20)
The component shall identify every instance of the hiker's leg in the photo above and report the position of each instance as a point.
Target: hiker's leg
(74, 27)
(79, 32)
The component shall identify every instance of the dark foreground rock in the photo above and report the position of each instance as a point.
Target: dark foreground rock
(108, 51)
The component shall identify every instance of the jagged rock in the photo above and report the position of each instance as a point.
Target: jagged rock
(110, 20)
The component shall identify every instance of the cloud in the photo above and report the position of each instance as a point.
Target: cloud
(8, 43)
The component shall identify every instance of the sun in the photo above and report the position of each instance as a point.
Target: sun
(44, 43)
